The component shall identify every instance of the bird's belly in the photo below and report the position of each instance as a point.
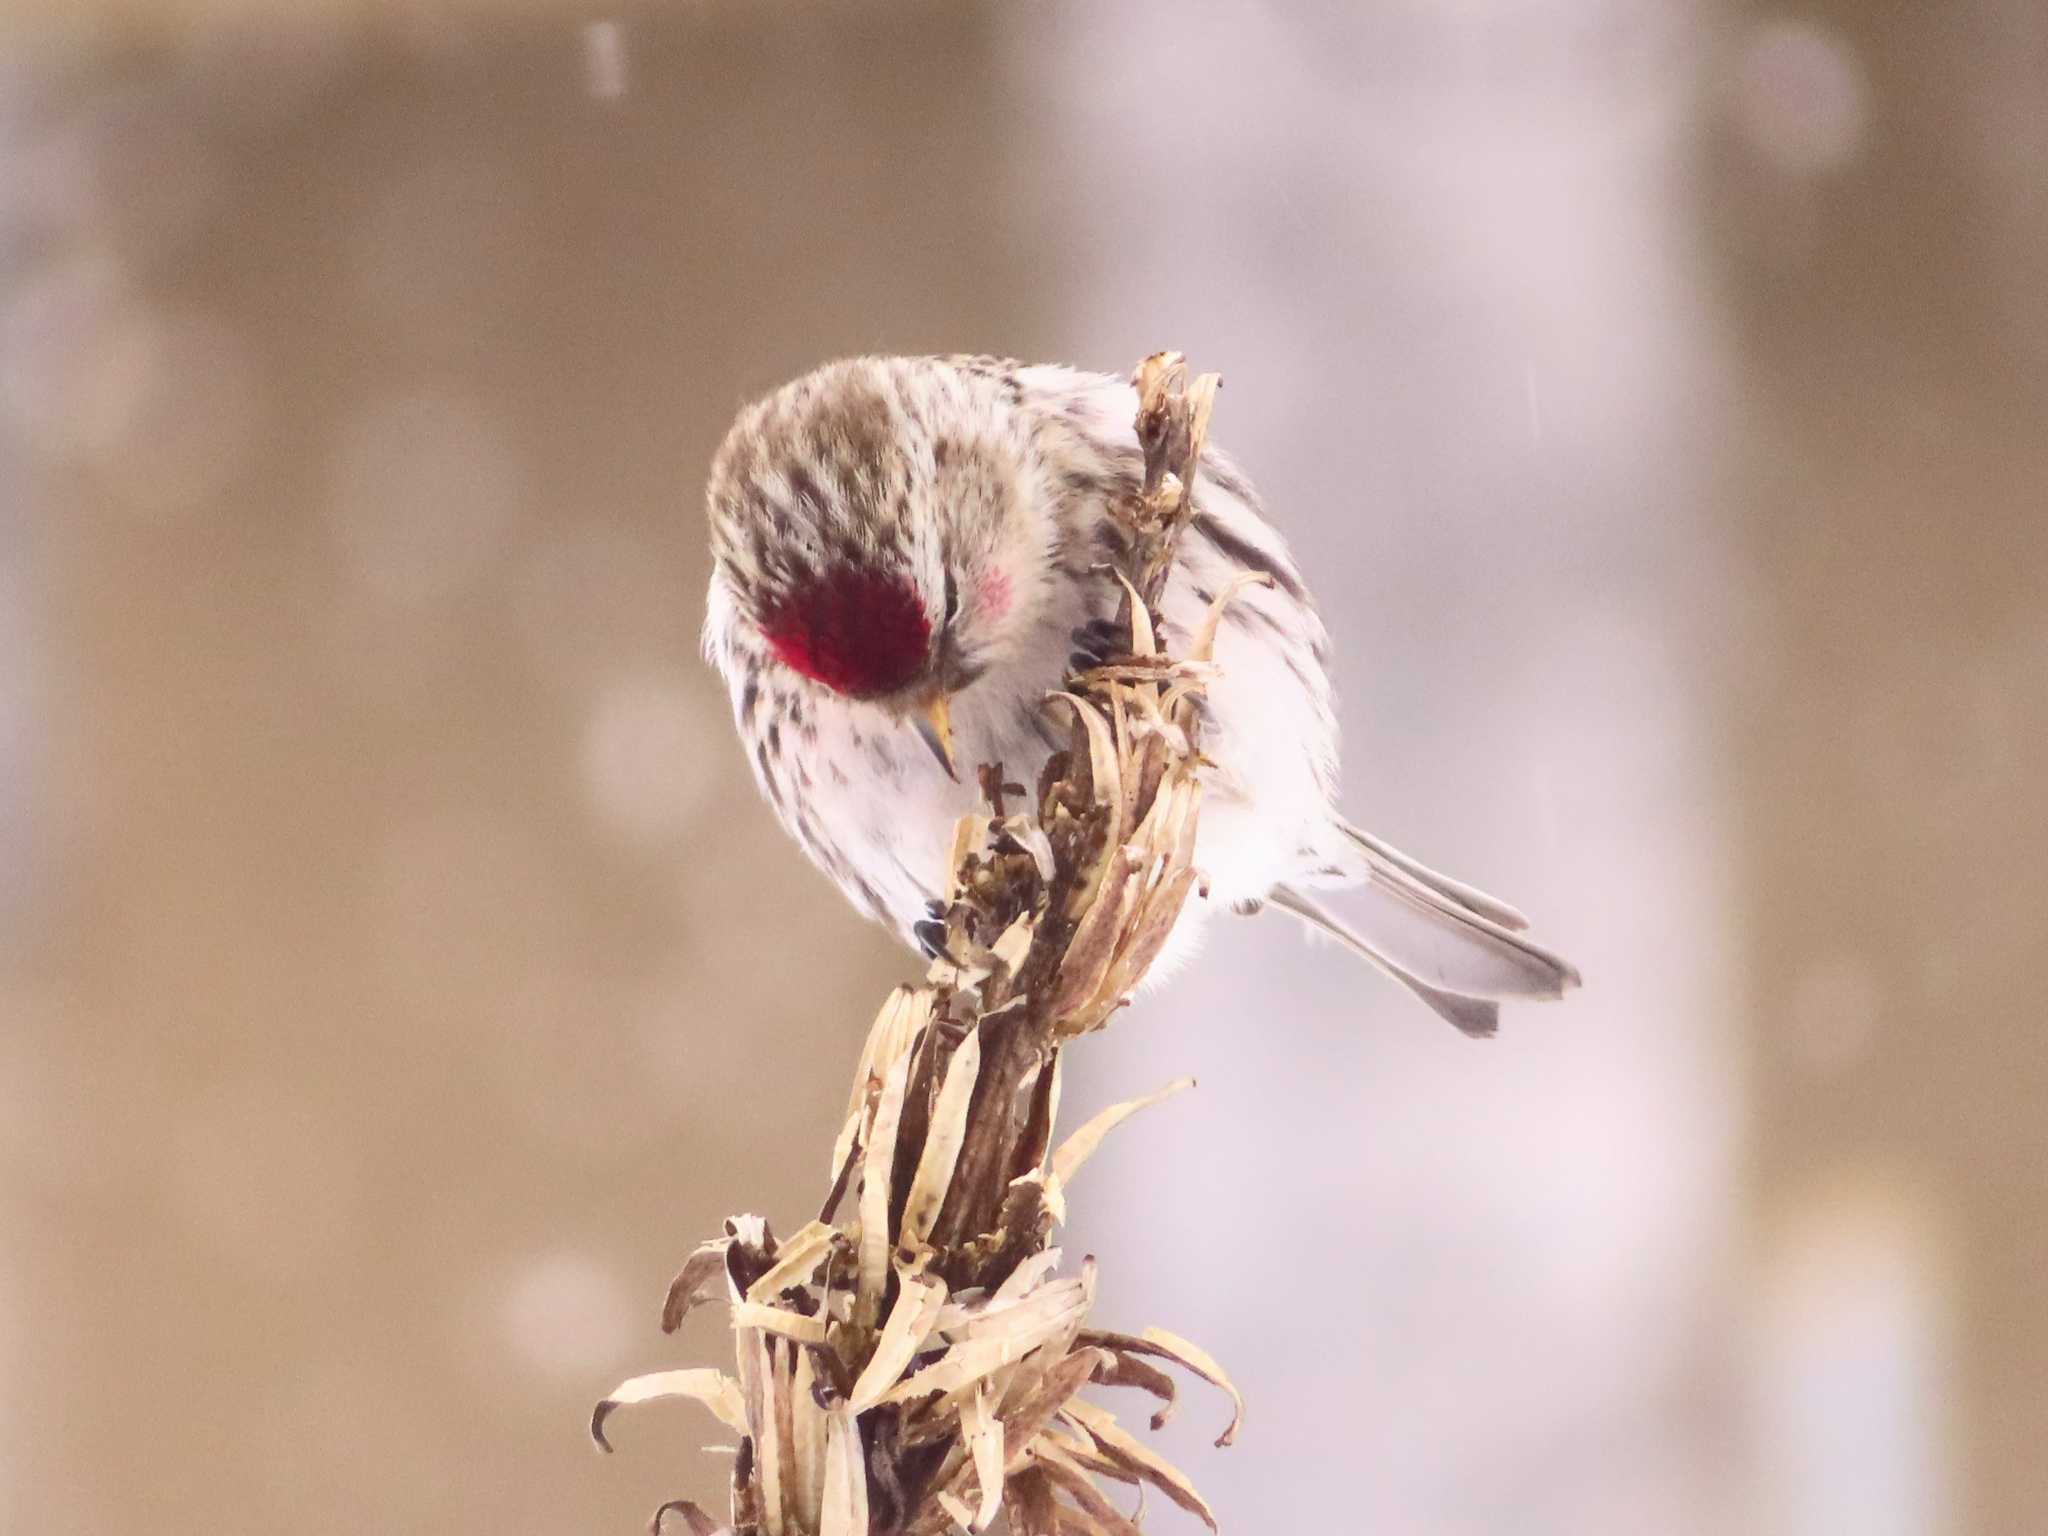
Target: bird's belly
(891, 823)
(1264, 810)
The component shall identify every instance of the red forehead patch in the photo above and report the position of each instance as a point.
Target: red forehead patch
(859, 632)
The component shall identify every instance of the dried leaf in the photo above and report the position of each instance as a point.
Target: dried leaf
(1080, 1146)
(808, 1432)
(1120, 1446)
(1078, 1486)
(959, 1367)
(906, 1012)
(746, 1497)
(1015, 941)
(771, 1461)
(942, 1142)
(1092, 949)
(1149, 935)
(845, 1504)
(804, 1250)
(1161, 1345)
(1204, 645)
(970, 833)
(1080, 1451)
(1130, 1371)
(714, 1389)
(873, 1274)
(1028, 1274)
(1024, 1419)
(1102, 763)
(1052, 1104)
(779, 1320)
(983, 1432)
(1198, 1360)
(1027, 834)
(700, 1524)
(695, 1282)
(919, 1299)
(1029, 1320)
(956, 1510)
(1128, 769)
(789, 1475)
(1029, 1506)
(1143, 641)
(1052, 1198)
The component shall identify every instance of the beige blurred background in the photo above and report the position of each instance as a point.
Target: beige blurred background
(391, 986)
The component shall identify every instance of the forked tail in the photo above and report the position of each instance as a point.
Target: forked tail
(1456, 948)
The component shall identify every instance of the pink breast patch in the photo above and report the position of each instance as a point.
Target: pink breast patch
(992, 594)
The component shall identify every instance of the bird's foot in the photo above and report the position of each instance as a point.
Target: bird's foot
(1096, 642)
(930, 932)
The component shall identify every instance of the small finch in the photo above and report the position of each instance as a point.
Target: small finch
(907, 559)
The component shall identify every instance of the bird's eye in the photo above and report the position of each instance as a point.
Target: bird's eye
(952, 597)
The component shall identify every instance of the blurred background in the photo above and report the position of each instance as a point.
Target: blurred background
(389, 933)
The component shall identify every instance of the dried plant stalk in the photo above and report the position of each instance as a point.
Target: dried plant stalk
(911, 1361)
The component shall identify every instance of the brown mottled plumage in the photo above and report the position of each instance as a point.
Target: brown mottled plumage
(893, 537)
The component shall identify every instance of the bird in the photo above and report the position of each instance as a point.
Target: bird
(907, 559)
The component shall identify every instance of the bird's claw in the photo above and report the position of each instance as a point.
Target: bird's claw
(930, 932)
(1095, 643)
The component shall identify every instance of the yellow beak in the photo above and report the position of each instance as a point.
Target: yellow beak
(935, 725)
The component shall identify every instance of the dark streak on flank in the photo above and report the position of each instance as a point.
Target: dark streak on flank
(1233, 548)
(872, 899)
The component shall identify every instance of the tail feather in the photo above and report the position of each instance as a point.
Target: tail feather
(1384, 860)
(1456, 948)
(1477, 1017)
(1444, 931)
(1452, 947)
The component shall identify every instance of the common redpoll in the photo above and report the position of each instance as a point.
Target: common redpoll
(907, 559)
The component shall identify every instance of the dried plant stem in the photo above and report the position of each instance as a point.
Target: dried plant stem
(911, 1361)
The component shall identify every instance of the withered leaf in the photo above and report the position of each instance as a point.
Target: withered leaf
(1076, 1485)
(983, 1432)
(875, 1244)
(1130, 1371)
(808, 1432)
(714, 1389)
(844, 1508)
(764, 1392)
(1161, 1345)
(694, 1518)
(942, 1142)
(799, 1255)
(779, 1320)
(1029, 1505)
(1139, 1458)
(1204, 645)
(1023, 1420)
(695, 1282)
(919, 1299)
(1080, 1146)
